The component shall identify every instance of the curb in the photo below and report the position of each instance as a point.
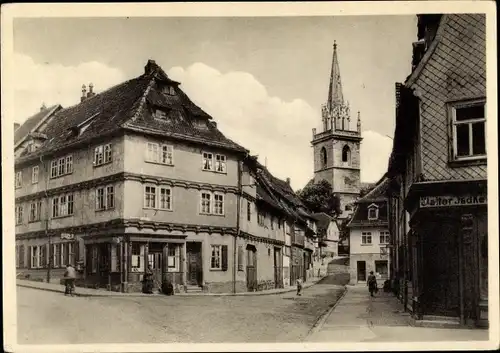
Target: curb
(140, 295)
(323, 317)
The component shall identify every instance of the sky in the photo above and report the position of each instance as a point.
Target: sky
(263, 79)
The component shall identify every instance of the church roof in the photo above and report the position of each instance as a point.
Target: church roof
(335, 95)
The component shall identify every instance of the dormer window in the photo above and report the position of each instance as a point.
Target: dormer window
(168, 90)
(372, 212)
(160, 114)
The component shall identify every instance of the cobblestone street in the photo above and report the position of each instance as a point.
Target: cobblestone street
(51, 318)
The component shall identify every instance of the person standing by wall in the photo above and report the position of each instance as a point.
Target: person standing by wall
(372, 284)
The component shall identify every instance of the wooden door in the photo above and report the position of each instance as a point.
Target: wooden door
(278, 268)
(440, 287)
(251, 269)
(361, 267)
(155, 260)
(194, 267)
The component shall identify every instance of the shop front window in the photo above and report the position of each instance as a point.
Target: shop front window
(137, 257)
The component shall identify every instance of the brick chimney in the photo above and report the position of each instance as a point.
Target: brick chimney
(16, 126)
(84, 95)
(288, 181)
(91, 90)
(150, 67)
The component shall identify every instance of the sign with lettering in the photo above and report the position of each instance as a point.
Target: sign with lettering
(450, 201)
(67, 236)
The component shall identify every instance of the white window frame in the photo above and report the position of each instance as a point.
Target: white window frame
(175, 258)
(167, 154)
(61, 166)
(168, 193)
(35, 256)
(203, 200)
(105, 198)
(216, 254)
(139, 257)
(373, 207)
(103, 154)
(62, 204)
(19, 215)
(207, 161)
(160, 114)
(35, 214)
(152, 152)
(19, 179)
(160, 153)
(384, 238)
(150, 203)
(34, 174)
(366, 238)
(454, 123)
(220, 165)
(218, 204)
(56, 263)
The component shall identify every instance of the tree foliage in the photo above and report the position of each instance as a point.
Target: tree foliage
(319, 197)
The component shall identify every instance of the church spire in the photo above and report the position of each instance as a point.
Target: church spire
(335, 96)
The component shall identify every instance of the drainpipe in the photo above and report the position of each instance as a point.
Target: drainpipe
(47, 208)
(238, 210)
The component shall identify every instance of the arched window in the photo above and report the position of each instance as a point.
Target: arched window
(323, 156)
(346, 155)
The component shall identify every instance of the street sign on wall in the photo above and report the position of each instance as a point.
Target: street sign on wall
(67, 236)
(450, 201)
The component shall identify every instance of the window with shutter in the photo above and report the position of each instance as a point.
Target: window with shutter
(224, 257)
(43, 256)
(77, 251)
(240, 258)
(114, 258)
(30, 257)
(21, 256)
(66, 254)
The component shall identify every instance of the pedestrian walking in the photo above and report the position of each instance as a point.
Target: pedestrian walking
(69, 280)
(299, 286)
(372, 284)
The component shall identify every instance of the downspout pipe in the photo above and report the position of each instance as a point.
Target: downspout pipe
(238, 216)
(47, 208)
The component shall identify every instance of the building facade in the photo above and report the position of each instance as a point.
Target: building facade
(139, 176)
(369, 237)
(328, 237)
(337, 146)
(438, 171)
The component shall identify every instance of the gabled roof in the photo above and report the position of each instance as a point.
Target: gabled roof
(33, 122)
(127, 106)
(376, 197)
(378, 193)
(323, 220)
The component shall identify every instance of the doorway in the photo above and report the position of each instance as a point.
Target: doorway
(361, 266)
(251, 268)
(278, 268)
(155, 261)
(440, 295)
(194, 264)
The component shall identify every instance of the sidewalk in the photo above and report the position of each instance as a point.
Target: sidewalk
(359, 318)
(88, 292)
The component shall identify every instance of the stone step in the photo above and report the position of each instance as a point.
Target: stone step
(193, 289)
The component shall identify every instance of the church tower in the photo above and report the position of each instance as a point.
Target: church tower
(337, 146)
